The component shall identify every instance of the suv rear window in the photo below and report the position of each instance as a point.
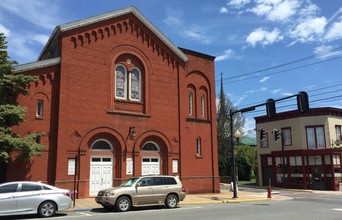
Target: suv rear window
(170, 181)
(164, 181)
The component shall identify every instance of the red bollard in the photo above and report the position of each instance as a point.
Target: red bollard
(269, 192)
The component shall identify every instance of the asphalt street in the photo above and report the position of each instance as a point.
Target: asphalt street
(301, 205)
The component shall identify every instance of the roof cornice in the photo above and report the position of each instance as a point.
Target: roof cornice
(109, 15)
(36, 65)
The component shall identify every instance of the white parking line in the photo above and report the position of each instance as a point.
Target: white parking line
(340, 210)
(82, 213)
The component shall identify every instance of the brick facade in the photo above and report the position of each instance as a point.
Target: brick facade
(77, 84)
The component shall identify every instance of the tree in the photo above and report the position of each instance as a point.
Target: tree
(246, 160)
(11, 113)
(223, 131)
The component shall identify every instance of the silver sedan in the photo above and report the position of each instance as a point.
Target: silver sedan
(27, 197)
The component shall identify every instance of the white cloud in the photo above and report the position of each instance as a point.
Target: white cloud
(174, 20)
(287, 94)
(4, 30)
(41, 38)
(174, 17)
(226, 55)
(335, 31)
(25, 47)
(309, 30)
(276, 10)
(264, 37)
(19, 46)
(39, 12)
(296, 21)
(239, 100)
(263, 89)
(223, 10)
(238, 3)
(325, 52)
(198, 33)
(264, 79)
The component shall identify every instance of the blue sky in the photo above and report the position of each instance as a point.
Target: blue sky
(264, 48)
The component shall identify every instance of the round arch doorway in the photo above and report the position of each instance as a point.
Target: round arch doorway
(101, 166)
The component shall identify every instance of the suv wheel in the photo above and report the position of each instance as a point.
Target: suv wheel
(171, 201)
(123, 204)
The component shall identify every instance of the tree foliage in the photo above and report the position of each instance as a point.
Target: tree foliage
(246, 161)
(223, 131)
(11, 113)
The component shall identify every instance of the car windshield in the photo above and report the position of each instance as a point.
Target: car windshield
(129, 182)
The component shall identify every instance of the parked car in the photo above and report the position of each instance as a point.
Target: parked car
(26, 197)
(143, 191)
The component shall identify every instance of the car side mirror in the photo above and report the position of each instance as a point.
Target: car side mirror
(137, 185)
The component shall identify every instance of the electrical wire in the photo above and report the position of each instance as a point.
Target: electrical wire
(287, 64)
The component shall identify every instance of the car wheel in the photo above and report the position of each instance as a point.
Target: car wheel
(47, 209)
(171, 201)
(123, 204)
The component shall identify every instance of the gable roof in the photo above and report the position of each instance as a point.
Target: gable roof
(102, 17)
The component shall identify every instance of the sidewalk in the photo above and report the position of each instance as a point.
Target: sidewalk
(225, 196)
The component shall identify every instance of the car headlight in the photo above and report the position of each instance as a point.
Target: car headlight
(110, 193)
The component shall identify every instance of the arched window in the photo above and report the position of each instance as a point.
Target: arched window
(127, 83)
(150, 146)
(120, 82)
(203, 104)
(135, 84)
(191, 103)
(199, 147)
(101, 145)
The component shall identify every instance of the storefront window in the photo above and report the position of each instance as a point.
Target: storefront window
(296, 170)
(337, 168)
(280, 169)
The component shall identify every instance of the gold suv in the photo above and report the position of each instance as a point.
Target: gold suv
(143, 191)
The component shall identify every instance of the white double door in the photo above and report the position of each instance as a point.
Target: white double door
(101, 174)
(150, 165)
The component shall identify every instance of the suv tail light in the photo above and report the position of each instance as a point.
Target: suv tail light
(183, 189)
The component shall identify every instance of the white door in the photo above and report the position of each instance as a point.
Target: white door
(150, 166)
(101, 174)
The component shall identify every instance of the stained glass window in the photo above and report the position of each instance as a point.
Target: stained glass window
(120, 82)
(135, 84)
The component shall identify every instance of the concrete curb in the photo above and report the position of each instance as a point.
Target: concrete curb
(225, 201)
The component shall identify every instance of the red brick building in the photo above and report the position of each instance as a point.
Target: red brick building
(117, 98)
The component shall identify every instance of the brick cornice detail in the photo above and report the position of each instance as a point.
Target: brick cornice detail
(127, 26)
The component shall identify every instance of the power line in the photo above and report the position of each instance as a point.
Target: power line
(286, 64)
(281, 71)
(311, 95)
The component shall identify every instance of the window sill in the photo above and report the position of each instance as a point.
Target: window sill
(128, 101)
(200, 120)
(198, 157)
(39, 118)
(136, 114)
